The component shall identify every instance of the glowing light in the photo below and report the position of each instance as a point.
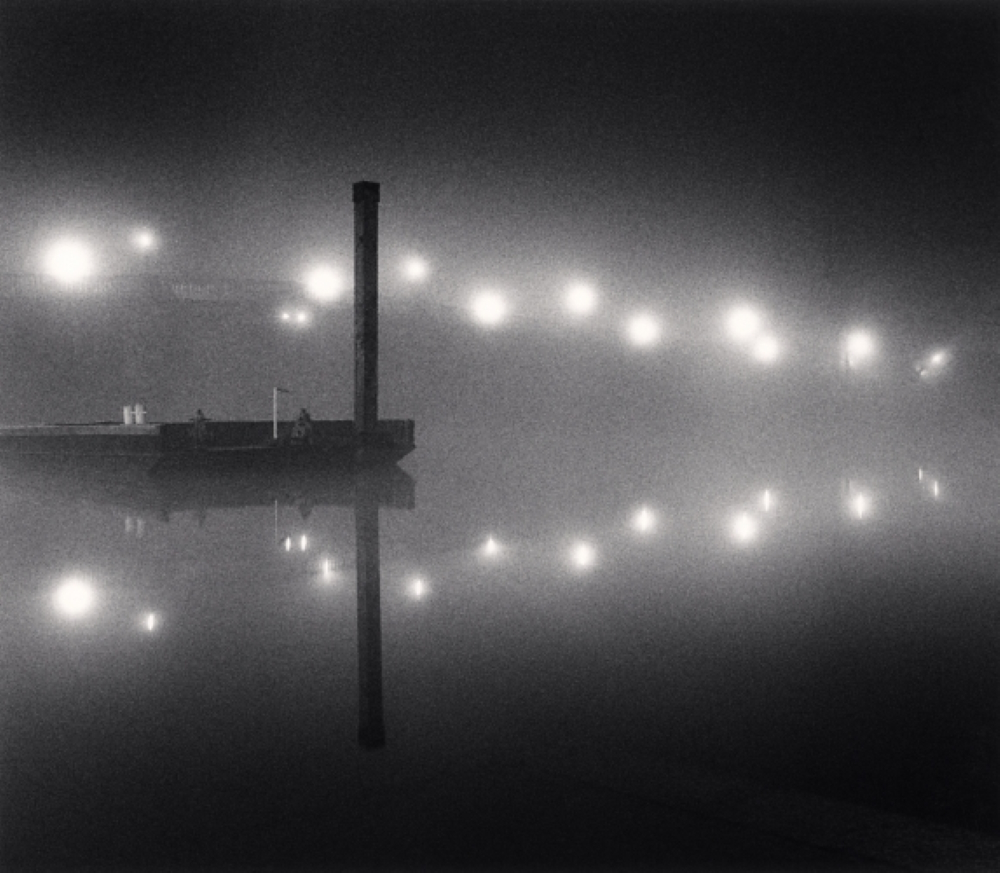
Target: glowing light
(303, 543)
(583, 555)
(934, 364)
(767, 500)
(287, 543)
(286, 316)
(151, 621)
(325, 283)
(744, 528)
(415, 269)
(936, 489)
(491, 548)
(742, 324)
(489, 308)
(861, 505)
(860, 347)
(418, 588)
(644, 520)
(74, 598)
(302, 317)
(920, 474)
(580, 299)
(643, 330)
(766, 349)
(69, 261)
(144, 239)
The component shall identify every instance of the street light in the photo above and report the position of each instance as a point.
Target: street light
(69, 261)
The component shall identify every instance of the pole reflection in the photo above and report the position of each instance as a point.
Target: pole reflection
(371, 721)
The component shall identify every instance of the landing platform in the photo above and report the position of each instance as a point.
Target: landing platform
(230, 442)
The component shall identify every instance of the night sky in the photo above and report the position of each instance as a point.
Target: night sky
(846, 154)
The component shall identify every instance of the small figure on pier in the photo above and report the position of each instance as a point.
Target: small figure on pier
(302, 430)
(199, 431)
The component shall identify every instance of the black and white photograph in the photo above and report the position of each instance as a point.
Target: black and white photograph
(499, 435)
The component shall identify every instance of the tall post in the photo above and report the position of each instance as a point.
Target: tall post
(366, 197)
(371, 725)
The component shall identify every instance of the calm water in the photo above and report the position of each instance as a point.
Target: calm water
(799, 589)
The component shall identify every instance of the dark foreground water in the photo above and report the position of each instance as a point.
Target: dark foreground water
(181, 667)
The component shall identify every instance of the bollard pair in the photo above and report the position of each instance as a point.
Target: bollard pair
(134, 414)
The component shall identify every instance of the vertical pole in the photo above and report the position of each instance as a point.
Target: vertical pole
(371, 724)
(366, 198)
(274, 413)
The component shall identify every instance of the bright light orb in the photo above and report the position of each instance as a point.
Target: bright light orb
(418, 589)
(744, 528)
(69, 262)
(860, 347)
(74, 598)
(325, 283)
(415, 269)
(766, 349)
(860, 505)
(742, 324)
(643, 330)
(491, 548)
(144, 239)
(933, 364)
(151, 621)
(580, 299)
(582, 555)
(302, 317)
(644, 520)
(489, 309)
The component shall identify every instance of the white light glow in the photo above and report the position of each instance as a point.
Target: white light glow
(151, 621)
(861, 505)
(489, 308)
(287, 543)
(582, 555)
(418, 588)
(303, 543)
(144, 239)
(286, 316)
(934, 364)
(935, 489)
(766, 349)
(644, 520)
(767, 500)
(325, 283)
(415, 269)
(491, 548)
(860, 347)
(302, 317)
(69, 261)
(643, 330)
(742, 324)
(74, 598)
(580, 299)
(744, 528)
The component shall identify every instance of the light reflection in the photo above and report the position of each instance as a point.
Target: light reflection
(744, 528)
(742, 323)
(934, 364)
(643, 330)
(151, 621)
(144, 239)
(644, 520)
(860, 505)
(491, 548)
(859, 348)
(415, 269)
(489, 308)
(583, 555)
(69, 261)
(766, 349)
(767, 500)
(303, 543)
(418, 588)
(74, 598)
(580, 299)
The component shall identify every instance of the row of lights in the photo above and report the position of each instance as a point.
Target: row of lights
(70, 261)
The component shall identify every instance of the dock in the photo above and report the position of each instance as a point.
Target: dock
(366, 440)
